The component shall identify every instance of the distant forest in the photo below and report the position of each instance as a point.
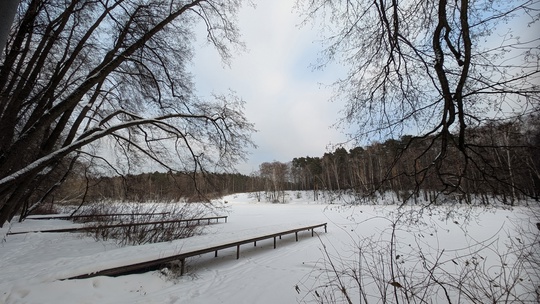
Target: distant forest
(508, 153)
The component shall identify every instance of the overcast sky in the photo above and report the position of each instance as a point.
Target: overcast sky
(285, 98)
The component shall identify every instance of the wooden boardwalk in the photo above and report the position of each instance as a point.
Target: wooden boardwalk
(92, 228)
(83, 216)
(181, 257)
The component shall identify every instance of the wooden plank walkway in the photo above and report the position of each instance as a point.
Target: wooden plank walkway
(158, 263)
(82, 216)
(92, 228)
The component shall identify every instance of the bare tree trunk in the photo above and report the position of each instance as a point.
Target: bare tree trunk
(7, 14)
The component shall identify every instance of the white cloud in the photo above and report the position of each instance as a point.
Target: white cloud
(283, 95)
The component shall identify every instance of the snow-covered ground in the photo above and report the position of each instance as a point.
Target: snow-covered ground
(33, 265)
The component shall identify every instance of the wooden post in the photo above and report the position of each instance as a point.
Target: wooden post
(182, 266)
(237, 251)
(215, 255)
(226, 219)
(255, 244)
(274, 242)
(312, 231)
(325, 228)
(296, 233)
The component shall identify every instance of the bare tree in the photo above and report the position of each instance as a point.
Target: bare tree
(112, 72)
(437, 68)
(275, 176)
(443, 70)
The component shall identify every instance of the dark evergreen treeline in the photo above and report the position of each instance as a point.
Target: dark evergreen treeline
(503, 160)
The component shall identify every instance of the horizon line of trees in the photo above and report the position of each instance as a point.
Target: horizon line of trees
(504, 162)
(508, 152)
